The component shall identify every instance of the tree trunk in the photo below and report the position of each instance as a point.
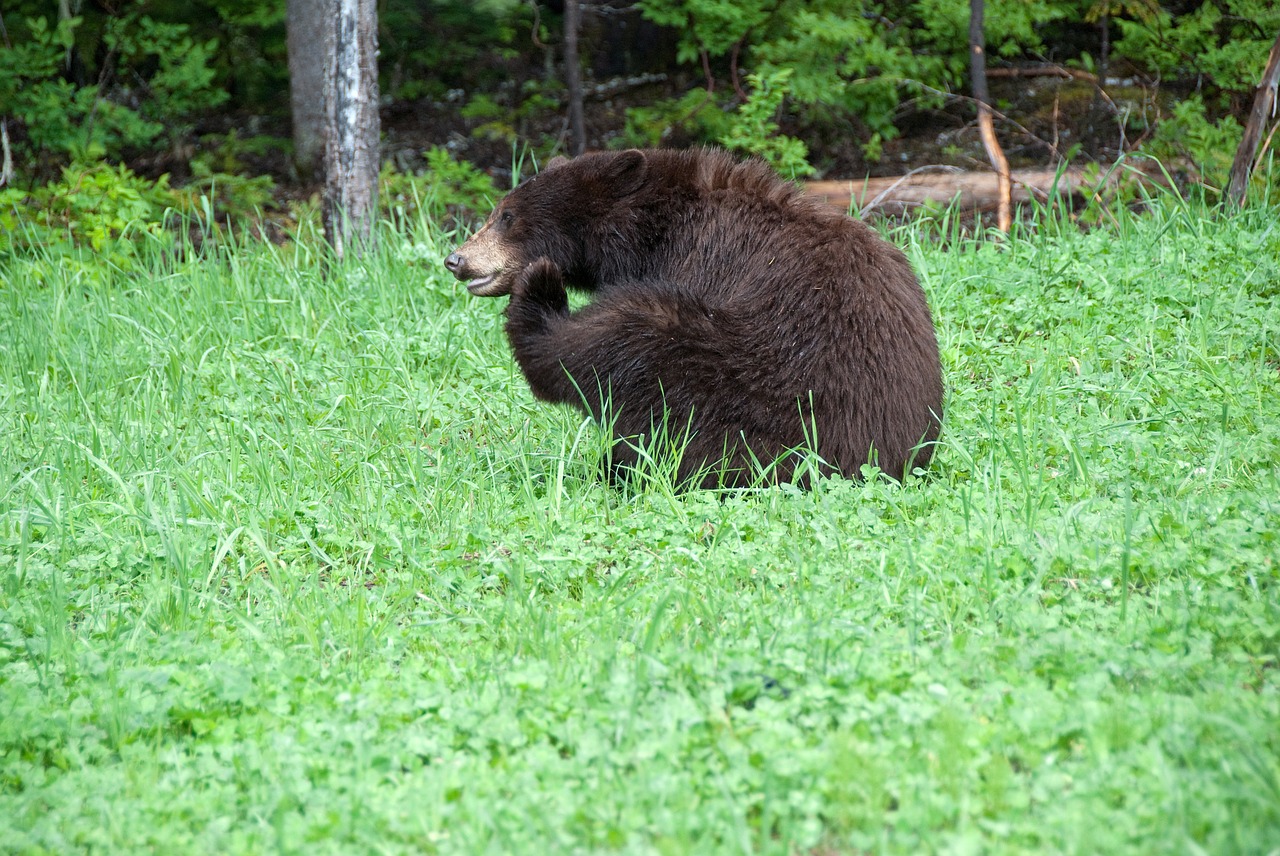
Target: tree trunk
(573, 76)
(6, 157)
(305, 36)
(1104, 54)
(986, 124)
(1264, 103)
(351, 141)
(1098, 114)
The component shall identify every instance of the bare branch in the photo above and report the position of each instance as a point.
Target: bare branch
(1264, 102)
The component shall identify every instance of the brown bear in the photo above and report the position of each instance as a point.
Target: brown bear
(747, 324)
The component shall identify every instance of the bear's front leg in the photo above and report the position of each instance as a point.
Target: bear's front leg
(536, 318)
(537, 299)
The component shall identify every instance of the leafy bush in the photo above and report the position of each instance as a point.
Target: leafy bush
(56, 121)
(1192, 142)
(754, 129)
(1222, 45)
(94, 214)
(696, 115)
(223, 169)
(843, 61)
(751, 128)
(234, 194)
(860, 62)
(448, 188)
(155, 79)
(428, 48)
(181, 86)
(111, 211)
(1188, 136)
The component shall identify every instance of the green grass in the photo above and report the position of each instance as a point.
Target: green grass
(290, 564)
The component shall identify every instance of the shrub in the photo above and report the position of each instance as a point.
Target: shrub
(1221, 46)
(848, 61)
(155, 81)
(754, 128)
(93, 214)
(448, 188)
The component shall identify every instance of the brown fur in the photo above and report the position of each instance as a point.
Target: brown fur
(755, 316)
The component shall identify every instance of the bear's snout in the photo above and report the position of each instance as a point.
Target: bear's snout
(464, 269)
(480, 265)
(486, 263)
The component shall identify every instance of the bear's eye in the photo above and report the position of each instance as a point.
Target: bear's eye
(507, 218)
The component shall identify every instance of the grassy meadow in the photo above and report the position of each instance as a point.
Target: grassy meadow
(296, 564)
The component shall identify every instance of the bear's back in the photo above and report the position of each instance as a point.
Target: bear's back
(829, 305)
(746, 237)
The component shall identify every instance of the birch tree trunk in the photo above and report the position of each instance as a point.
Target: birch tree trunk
(986, 123)
(1264, 104)
(6, 157)
(305, 32)
(351, 138)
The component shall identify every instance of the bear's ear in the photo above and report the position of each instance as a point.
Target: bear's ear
(555, 162)
(625, 172)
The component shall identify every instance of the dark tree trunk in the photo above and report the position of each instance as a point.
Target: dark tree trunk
(1264, 104)
(573, 76)
(305, 35)
(1098, 119)
(351, 141)
(986, 122)
(1104, 55)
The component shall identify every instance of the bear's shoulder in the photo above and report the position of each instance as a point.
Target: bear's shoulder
(715, 171)
(719, 178)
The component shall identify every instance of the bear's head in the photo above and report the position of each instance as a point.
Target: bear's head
(552, 215)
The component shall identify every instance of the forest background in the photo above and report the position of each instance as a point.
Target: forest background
(116, 111)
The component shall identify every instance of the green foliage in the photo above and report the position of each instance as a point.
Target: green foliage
(109, 211)
(1223, 44)
(122, 79)
(696, 114)
(754, 128)
(831, 79)
(249, 63)
(750, 129)
(905, 49)
(712, 27)
(236, 196)
(292, 561)
(56, 121)
(508, 120)
(156, 67)
(1220, 49)
(1013, 30)
(447, 189)
(1188, 136)
(493, 121)
(426, 49)
(181, 86)
(919, 49)
(91, 206)
(231, 152)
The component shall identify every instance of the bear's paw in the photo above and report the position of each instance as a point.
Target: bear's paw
(542, 282)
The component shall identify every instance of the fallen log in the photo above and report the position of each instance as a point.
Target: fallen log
(976, 190)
